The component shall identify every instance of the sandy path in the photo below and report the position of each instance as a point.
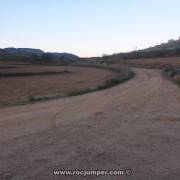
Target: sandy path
(134, 125)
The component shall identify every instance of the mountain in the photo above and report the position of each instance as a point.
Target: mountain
(24, 51)
(62, 56)
(36, 56)
(3, 52)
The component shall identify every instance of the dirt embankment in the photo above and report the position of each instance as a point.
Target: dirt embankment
(153, 63)
(134, 125)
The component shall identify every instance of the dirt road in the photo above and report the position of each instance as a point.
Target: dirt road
(135, 125)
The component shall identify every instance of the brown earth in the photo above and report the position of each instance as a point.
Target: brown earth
(12, 63)
(31, 68)
(17, 89)
(158, 63)
(134, 125)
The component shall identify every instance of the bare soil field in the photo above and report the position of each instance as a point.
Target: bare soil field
(158, 63)
(18, 89)
(134, 125)
(7, 63)
(30, 68)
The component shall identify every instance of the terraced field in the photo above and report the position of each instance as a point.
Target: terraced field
(20, 87)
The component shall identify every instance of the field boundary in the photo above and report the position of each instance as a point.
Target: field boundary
(19, 74)
(125, 74)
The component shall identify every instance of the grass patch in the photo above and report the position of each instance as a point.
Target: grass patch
(33, 99)
(17, 74)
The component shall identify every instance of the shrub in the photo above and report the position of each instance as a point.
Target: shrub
(31, 99)
(173, 73)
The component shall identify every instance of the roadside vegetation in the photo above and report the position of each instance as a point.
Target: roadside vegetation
(124, 75)
(173, 73)
(17, 74)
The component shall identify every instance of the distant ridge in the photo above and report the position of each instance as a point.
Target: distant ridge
(36, 56)
(24, 51)
(169, 49)
(3, 52)
(62, 55)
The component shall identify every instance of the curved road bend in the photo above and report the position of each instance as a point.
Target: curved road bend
(134, 125)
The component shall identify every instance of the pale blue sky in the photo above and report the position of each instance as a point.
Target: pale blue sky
(88, 27)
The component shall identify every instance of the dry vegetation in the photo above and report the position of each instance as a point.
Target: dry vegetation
(154, 63)
(173, 73)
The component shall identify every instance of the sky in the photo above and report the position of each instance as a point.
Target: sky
(88, 27)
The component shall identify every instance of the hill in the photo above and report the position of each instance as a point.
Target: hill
(36, 56)
(3, 52)
(169, 49)
(61, 56)
(24, 51)
(171, 44)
